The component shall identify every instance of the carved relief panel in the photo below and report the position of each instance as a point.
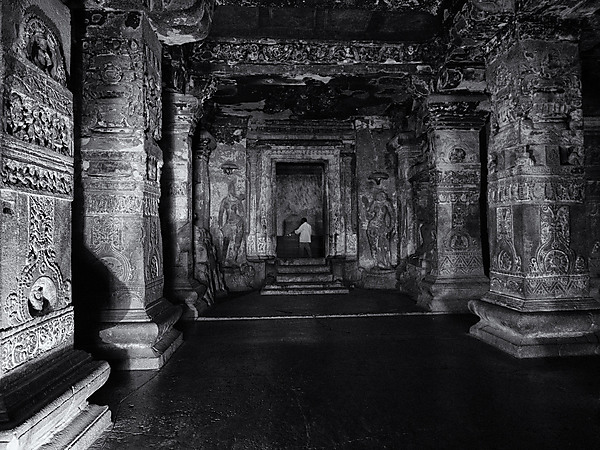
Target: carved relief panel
(36, 181)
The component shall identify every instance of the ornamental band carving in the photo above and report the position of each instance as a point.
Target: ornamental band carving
(25, 176)
(303, 52)
(520, 191)
(17, 346)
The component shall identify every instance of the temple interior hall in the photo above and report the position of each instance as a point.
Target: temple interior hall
(317, 224)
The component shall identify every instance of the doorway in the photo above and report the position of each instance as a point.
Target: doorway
(300, 192)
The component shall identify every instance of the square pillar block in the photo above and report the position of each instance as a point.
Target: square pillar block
(539, 302)
(44, 381)
(120, 178)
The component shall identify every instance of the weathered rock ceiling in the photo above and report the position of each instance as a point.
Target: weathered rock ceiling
(314, 23)
(341, 97)
(561, 8)
(175, 21)
(431, 6)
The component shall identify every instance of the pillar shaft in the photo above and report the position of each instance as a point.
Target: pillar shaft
(121, 165)
(538, 244)
(176, 202)
(456, 274)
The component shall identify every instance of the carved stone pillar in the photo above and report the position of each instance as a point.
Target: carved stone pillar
(180, 113)
(538, 303)
(349, 212)
(407, 149)
(592, 200)
(44, 381)
(457, 274)
(121, 163)
(206, 269)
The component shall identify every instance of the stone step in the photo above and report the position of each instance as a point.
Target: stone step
(329, 284)
(304, 269)
(302, 261)
(306, 289)
(303, 277)
(324, 291)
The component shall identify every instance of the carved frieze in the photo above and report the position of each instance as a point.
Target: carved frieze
(455, 115)
(26, 342)
(31, 178)
(314, 52)
(112, 203)
(37, 109)
(540, 287)
(533, 190)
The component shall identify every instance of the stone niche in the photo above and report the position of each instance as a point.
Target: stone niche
(40, 371)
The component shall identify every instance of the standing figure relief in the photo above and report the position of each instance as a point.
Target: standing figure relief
(380, 214)
(231, 224)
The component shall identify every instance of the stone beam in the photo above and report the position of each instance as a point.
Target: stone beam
(326, 58)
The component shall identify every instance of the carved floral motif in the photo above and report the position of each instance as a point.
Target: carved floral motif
(505, 258)
(29, 177)
(29, 121)
(24, 344)
(554, 255)
(41, 287)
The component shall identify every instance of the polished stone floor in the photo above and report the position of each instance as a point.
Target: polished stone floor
(381, 375)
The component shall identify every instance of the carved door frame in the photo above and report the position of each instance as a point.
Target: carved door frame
(262, 161)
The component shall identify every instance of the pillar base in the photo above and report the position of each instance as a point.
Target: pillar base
(48, 409)
(139, 339)
(451, 295)
(537, 334)
(194, 305)
(377, 278)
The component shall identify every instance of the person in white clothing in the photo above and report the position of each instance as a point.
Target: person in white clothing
(305, 231)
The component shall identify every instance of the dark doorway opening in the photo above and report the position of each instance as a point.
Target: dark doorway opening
(300, 192)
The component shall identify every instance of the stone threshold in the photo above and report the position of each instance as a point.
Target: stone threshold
(325, 316)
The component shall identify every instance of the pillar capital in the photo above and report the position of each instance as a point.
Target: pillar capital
(204, 144)
(452, 111)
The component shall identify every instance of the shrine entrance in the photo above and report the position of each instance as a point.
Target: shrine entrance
(299, 192)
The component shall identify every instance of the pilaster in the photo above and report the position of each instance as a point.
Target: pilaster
(120, 177)
(457, 275)
(539, 302)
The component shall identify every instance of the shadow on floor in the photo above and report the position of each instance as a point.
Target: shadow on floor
(401, 382)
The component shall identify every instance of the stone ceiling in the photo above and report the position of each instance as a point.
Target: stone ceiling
(431, 6)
